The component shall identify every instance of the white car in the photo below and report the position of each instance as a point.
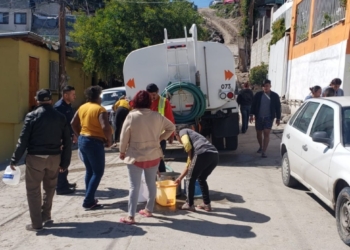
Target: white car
(111, 96)
(316, 152)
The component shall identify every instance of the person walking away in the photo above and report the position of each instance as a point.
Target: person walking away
(162, 106)
(202, 159)
(265, 108)
(44, 133)
(335, 84)
(90, 123)
(121, 109)
(139, 148)
(64, 106)
(315, 92)
(245, 99)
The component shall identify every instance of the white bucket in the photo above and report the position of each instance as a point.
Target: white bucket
(143, 194)
(11, 177)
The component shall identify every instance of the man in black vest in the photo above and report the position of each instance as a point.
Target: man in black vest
(266, 107)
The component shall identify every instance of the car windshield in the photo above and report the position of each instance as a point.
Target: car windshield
(346, 126)
(110, 98)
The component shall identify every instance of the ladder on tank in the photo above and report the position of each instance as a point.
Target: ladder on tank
(177, 66)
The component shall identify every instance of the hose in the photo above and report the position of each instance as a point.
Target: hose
(199, 104)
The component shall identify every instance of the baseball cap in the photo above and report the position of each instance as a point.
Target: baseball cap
(43, 95)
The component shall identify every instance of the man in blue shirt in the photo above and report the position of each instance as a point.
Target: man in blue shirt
(64, 106)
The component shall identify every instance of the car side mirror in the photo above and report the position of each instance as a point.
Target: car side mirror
(321, 137)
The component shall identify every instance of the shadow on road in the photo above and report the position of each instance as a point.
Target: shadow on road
(91, 230)
(111, 193)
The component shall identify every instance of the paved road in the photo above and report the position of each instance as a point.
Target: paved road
(252, 210)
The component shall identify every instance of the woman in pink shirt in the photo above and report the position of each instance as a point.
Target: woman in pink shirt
(140, 150)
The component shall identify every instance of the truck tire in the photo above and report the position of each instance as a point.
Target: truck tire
(218, 142)
(287, 179)
(231, 142)
(342, 215)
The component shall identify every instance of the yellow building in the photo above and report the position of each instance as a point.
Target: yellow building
(27, 65)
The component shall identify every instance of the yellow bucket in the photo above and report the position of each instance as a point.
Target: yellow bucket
(166, 193)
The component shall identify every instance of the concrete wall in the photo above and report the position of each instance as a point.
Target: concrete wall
(14, 87)
(317, 68)
(11, 26)
(260, 51)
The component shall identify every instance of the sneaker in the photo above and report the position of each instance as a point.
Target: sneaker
(47, 221)
(263, 155)
(186, 206)
(29, 227)
(259, 151)
(206, 207)
(94, 207)
(65, 191)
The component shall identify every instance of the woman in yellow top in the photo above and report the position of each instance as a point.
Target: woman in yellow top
(91, 124)
(121, 109)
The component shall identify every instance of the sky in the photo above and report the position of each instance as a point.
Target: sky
(201, 3)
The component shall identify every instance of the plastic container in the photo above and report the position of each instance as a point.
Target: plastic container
(197, 189)
(171, 176)
(143, 194)
(166, 193)
(11, 177)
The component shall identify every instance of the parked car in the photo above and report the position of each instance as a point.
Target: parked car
(215, 2)
(111, 96)
(315, 151)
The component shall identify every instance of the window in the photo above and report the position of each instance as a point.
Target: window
(302, 22)
(296, 114)
(303, 120)
(4, 17)
(20, 18)
(324, 121)
(54, 81)
(327, 13)
(346, 127)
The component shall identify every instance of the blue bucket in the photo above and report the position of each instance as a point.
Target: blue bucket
(197, 189)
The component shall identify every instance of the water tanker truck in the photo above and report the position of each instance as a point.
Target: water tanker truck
(197, 78)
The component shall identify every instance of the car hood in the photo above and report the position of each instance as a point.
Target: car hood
(108, 108)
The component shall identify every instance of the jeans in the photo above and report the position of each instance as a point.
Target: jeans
(245, 110)
(120, 116)
(201, 167)
(94, 160)
(162, 163)
(135, 183)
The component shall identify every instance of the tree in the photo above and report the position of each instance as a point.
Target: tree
(125, 25)
(258, 74)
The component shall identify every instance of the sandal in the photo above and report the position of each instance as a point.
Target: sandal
(186, 206)
(127, 221)
(145, 213)
(205, 207)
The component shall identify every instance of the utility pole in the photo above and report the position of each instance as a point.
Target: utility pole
(62, 39)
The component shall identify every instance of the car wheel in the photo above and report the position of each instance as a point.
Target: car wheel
(342, 214)
(287, 179)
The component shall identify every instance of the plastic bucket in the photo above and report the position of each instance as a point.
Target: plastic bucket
(197, 189)
(171, 176)
(166, 193)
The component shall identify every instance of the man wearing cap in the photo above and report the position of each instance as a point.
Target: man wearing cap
(44, 133)
(64, 106)
(162, 106)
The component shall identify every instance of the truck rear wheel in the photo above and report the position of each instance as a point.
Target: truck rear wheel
(218, 142)
(231, 142)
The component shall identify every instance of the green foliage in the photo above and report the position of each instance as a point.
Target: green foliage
(126, 25)
(278, 31)
(246, 30)
(227, 10)
(343, 3)
(258, 74)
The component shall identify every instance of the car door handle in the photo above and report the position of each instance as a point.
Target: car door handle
(304, 147)
(288, 136)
